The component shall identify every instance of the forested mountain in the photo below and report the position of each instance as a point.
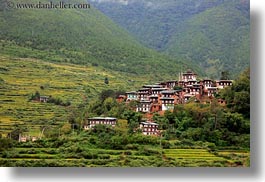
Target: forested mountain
(80, 36)
(212, 33)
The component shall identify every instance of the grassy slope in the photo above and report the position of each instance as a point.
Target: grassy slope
(21, 77)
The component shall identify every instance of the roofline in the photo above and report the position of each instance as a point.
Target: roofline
(103, 118)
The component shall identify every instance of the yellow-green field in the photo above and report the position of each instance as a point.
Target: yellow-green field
(202, 157)
(122, 158)
(20, 78)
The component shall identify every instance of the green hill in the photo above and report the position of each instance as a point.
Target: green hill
(80, 36)
(218, 39)
(211, 33)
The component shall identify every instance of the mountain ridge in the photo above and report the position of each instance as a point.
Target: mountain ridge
(82, 37)
(189, 30)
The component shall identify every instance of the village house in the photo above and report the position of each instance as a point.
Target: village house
(154, 99)
(195, 89)
(169, 93)
(144, 106)
(152, 86)
(44, 99)
(130, 96)
(207, 83)
(92, 122)
(23, 139)
(121, 98)
(157, 91)
(149, 128)
(34, 139)
(27, 138)
(168, 103)
(188, 76)
(224, 83)
(169, 84)
(212, 91)
(143, 93)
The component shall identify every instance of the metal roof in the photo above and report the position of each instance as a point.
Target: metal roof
(149, 123)
(132, 92)
(102, 118)
(152, 86)
(167, 98)
(168, 92)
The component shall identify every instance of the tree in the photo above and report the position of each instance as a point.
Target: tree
(238, 96)
(51, 132)
(14, 134)
(133, 118)
(122, 127)
(5, 144)
(106, 94)
(106, 81)
(66, 129)
(170, 116)
(108, 104)
(36, 96)
(225, 75)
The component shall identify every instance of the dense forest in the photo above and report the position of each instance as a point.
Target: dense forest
(84, 37)
(213, 34)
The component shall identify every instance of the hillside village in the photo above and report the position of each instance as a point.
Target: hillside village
(162, 97)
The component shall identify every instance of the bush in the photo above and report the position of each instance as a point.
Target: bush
(90, 155)
(132, 147)
(148, 151)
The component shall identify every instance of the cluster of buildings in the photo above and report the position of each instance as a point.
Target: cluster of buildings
(164, 96)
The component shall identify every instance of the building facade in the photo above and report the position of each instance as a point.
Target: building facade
(92, 122)
(162, 96)
(149, 128)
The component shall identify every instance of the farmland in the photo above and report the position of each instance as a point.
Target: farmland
(144, 156)
(20, 78)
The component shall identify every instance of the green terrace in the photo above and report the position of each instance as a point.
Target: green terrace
(124, 158)
(21, 78)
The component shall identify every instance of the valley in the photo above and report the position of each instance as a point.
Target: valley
(60, 68)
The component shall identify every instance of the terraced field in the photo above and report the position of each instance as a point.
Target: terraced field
(20, 78)
(123, 158)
